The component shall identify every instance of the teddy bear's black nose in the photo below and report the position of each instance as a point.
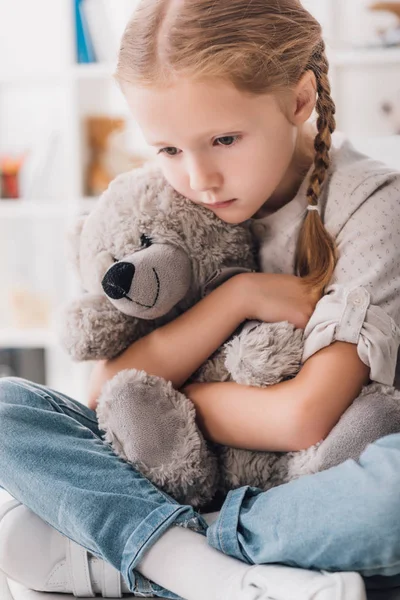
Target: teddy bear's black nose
(118, 280)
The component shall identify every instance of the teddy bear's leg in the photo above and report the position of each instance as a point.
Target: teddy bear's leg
(241, 467)
(375, 413)
(261, 469)
(264, 353)
(152, 426)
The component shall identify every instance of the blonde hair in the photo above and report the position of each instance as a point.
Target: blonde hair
(259, 46)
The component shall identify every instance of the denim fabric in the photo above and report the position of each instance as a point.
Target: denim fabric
(360, 209)
(54, 461)
(344, 519)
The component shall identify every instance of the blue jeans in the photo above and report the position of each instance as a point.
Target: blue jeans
(54, 460)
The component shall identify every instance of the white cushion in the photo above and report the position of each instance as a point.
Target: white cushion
(5, 593)
(11, 590)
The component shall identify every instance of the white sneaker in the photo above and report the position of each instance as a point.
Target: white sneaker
(41, 558)
(279, 582)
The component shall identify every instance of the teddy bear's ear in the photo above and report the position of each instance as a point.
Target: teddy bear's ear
(73, 241)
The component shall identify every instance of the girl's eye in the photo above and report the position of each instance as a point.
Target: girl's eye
(165, 151)
(229, 137)
(145, 241)
(227, 143)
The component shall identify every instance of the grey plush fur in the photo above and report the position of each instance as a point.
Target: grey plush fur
(144, 255)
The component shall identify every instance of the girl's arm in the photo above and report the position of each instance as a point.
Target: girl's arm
(289, 416)
(177, 349)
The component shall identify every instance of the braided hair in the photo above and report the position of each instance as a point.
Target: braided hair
(312, 262)
(259, 46)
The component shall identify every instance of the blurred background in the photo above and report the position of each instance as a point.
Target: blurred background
(65, 133)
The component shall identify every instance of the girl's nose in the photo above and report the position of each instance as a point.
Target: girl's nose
(204, 178)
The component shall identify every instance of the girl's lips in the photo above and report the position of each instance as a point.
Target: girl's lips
(222, 204)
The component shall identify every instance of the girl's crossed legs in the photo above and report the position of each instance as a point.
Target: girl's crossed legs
(54, 461)
(344, 519)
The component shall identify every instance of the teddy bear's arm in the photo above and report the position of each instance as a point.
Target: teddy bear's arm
(263, 354)
(258, 354)
(90, 328)
(375, 413)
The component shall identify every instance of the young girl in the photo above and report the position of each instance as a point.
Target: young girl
(224, 91)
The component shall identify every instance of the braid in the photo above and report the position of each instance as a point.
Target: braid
(316, 254)
(326, 124)
(259, 46)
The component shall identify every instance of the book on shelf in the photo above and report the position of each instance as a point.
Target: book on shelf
(84, 47)
(102, 23)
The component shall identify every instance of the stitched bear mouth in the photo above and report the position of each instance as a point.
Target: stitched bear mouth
(157, 294)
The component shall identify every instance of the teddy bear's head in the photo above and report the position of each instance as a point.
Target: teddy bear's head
(148, 249)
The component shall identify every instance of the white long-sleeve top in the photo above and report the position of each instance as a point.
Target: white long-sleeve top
(360, 207)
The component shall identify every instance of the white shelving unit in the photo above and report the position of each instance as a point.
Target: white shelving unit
(76, 90)
(365, 57)
(30, 81)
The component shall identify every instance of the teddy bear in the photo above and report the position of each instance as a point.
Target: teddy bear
(144, 255)
(107, 153)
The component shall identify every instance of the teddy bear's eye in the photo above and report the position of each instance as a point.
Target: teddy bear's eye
(145, 241)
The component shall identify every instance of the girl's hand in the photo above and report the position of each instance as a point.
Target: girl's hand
(267, 297)
(275, 297)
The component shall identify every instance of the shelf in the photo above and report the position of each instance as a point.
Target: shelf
(365, 57)
(77, 72)
(21, 209)
(33, 78)
(72, 73)
(17, 209)
(27, 338)
(92, 71)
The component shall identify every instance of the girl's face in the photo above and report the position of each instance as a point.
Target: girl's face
(215, 144)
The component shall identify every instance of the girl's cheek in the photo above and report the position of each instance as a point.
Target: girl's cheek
(166, 170)
(176, 179)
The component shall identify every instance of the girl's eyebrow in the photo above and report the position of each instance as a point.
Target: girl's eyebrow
(228, 131)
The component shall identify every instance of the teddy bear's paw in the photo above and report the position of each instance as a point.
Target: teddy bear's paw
(90, 328)
(375, 413)
(152, 426)
(264, 353)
